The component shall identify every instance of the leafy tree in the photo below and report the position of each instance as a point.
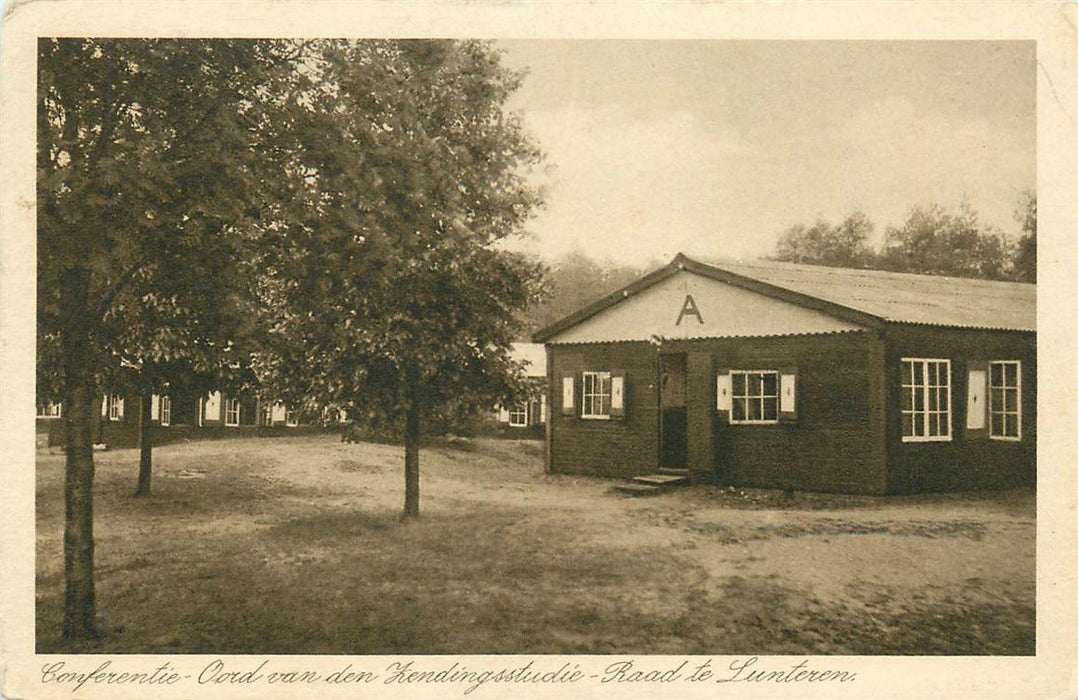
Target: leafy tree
(934, 241)
(147, 183)
(845, 245)
(384, 290)
(1025, 259)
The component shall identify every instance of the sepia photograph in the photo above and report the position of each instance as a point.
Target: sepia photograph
(283, 284)
(459, 362)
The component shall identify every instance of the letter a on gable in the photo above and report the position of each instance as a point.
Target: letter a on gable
(689, 309)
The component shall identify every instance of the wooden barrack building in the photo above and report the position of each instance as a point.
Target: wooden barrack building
(798, 377)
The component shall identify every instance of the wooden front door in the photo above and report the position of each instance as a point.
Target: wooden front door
(673, 423)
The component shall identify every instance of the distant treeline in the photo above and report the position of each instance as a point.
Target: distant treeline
(932, 241)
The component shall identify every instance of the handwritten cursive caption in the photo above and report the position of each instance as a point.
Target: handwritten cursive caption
(468, 679)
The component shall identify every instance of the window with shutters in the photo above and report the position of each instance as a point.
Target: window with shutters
(1005, 400)
(595, 398)
(926, 400)
(166, 410)
(754, 397)
(291, 417)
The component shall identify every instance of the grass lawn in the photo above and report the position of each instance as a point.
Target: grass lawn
(293, 545)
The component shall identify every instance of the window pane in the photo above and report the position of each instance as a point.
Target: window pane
(918, 399)
(997, 374)
(996, 399)
(933, 399)
(739, 409)
(907, 373)
(770, 384)
(918, 373)
(738, 380)
(753, 409)
(1011, 374)
(997, 423)
(771, 408)
(943, 399)
(753, 385)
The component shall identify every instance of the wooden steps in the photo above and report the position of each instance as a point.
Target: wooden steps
(653, 484)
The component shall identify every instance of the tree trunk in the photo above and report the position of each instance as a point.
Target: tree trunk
(80, 402)
(145, 443)
(411, 455)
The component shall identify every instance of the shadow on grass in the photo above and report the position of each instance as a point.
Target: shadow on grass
(362, 583)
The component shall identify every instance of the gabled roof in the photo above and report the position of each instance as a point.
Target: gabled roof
(867, 297)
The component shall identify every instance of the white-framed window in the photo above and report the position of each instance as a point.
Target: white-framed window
(49, 410)
(519, 414)
(232, 412)
(595, 399)
(754, 397)
(926, 400)
(291, 417)
(1005, 400)
(165, 408)
(116, 407)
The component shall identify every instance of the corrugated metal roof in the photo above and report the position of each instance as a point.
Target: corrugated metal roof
(902, 297)
(863, 297)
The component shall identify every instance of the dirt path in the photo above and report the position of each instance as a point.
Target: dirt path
(876, 557)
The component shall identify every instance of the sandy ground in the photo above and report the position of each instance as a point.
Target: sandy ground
(824, 574)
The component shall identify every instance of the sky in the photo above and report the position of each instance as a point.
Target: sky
(716, 147)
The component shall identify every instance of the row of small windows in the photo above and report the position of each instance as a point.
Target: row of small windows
(768, 396)
(927, 406)
(113, 408)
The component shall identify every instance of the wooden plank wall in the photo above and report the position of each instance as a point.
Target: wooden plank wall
(966, 462)
(605, 447)
(835, 444)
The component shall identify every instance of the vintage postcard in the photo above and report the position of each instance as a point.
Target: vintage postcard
(538, 349)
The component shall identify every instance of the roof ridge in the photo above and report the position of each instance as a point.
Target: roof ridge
(868, 272)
